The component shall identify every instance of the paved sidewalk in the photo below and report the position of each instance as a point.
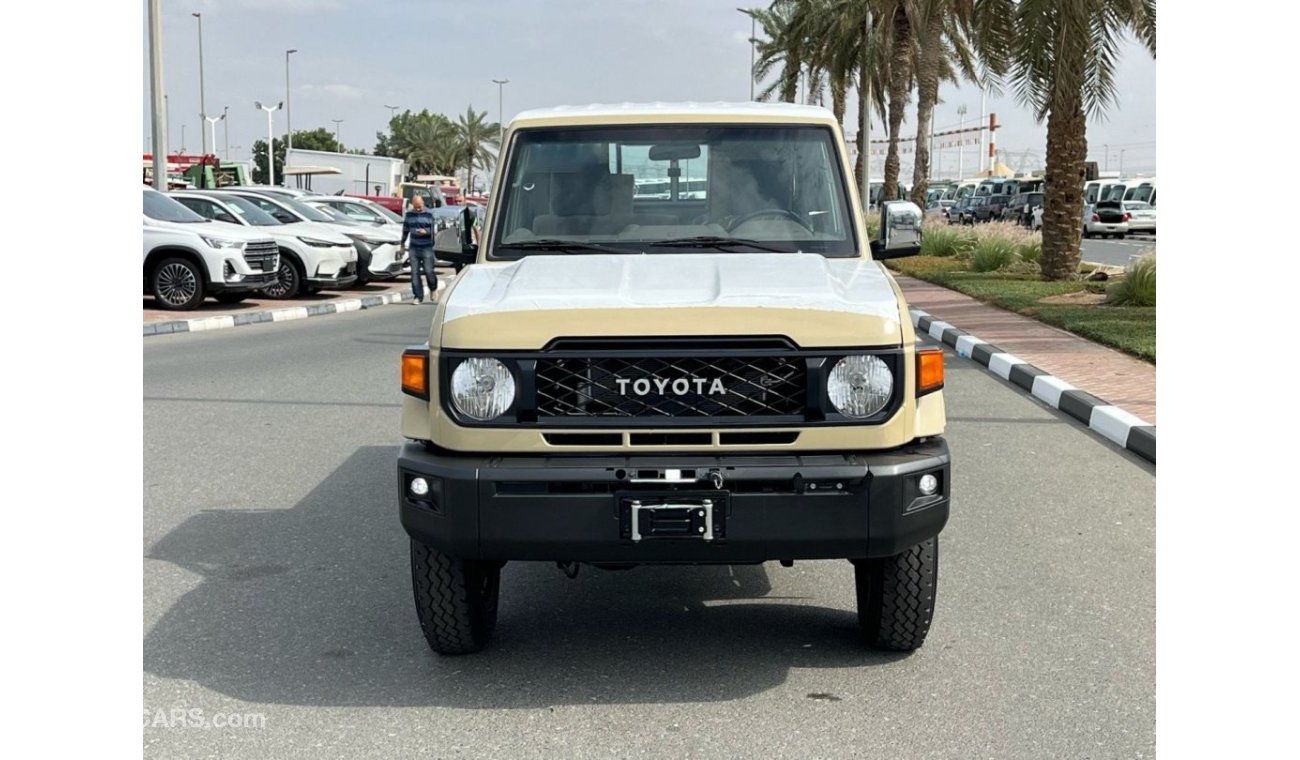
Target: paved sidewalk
(1118, 378)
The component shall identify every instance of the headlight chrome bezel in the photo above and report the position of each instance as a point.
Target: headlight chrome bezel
(860, 386)
(482, 388)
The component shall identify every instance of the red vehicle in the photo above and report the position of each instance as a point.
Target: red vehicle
(391, 202)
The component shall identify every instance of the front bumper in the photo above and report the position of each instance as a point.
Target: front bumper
(341, 279)
(250, 283)
(774, 506)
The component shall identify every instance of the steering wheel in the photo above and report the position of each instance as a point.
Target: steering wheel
(788, 214)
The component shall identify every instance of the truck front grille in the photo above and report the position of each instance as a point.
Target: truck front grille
(700, 387)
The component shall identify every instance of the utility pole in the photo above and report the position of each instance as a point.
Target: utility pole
(158, 100)
(203, 109)
(984, 114)
(501, 116)
(270, 142)
(865, 114)
(288, 106)
(961, 144)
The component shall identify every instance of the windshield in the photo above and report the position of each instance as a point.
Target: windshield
(675, 188)
(1139, 193)
(302, 209)
(249, 212)
(163, 209)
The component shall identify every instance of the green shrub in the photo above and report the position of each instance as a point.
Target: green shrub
(1031, 250)
(1138, 287)
(873, 225)
(992, 254)
(946, 241)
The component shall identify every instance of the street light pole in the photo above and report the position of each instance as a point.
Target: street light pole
(212, 127)
(961, 144)
(270, 142)
(865, 109)
(984, 116)
(158, 99)
(501, 115)
(182, 137)
(392, 112)
(337, 122)
(226, 128)
(203, 109)
(1121, 161)
(288, 108)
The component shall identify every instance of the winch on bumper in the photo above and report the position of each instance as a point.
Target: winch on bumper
(685, 508)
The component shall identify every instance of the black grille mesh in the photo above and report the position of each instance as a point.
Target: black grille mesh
(608, 387)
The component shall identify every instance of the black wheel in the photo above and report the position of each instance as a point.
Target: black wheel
(455, 599)
(896, 596)
(1119, 237)
(177, 284)
(289, 280)
(230, 297)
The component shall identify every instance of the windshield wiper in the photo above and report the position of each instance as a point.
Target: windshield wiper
(716, 241)
(568, 246)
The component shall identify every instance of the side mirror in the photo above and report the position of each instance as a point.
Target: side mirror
(900, 231)
(448, 245)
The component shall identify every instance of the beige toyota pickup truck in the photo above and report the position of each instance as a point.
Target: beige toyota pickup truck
(721, 372)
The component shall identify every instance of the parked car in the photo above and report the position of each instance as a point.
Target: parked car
(329, 269)
(970, 211)
(957, 209)
(305, 245)
(938, 208)
(187, 257)
(1021, 208)
(391, 202)
(379, 250)
(1107, 218)
(991, 209)
(1142, 216)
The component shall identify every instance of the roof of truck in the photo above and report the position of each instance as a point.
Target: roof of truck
(600, 113)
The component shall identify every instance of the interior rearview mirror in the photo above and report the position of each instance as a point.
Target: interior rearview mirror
(900, 231)
(674, 152)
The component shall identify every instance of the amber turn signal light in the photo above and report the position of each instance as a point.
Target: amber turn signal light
(929, 370)
(415, 374)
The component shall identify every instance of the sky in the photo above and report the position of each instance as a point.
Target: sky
(357, 56)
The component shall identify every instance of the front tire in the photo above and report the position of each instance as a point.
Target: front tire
(177, 284)
(455, 599)
(896, 596)
(289, 280)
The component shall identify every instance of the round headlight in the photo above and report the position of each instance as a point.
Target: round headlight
(860, 386)
(482, 389)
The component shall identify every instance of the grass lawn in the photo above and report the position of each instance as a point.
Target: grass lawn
(1131, 329)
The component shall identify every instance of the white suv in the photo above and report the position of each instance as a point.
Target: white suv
(304, 246)
(187, 257)
(329, 266)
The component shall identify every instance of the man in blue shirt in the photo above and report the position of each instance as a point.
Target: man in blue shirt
(418, 227)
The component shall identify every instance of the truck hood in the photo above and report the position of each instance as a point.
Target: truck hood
(813, 300)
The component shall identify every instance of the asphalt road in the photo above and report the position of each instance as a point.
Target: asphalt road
(1116, 252)
(277, 584)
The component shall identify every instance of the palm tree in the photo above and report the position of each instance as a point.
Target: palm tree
(427, 142)
(944, 31)
(1062, 65)
(897, 29)
(784, 47)
(476, 142)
